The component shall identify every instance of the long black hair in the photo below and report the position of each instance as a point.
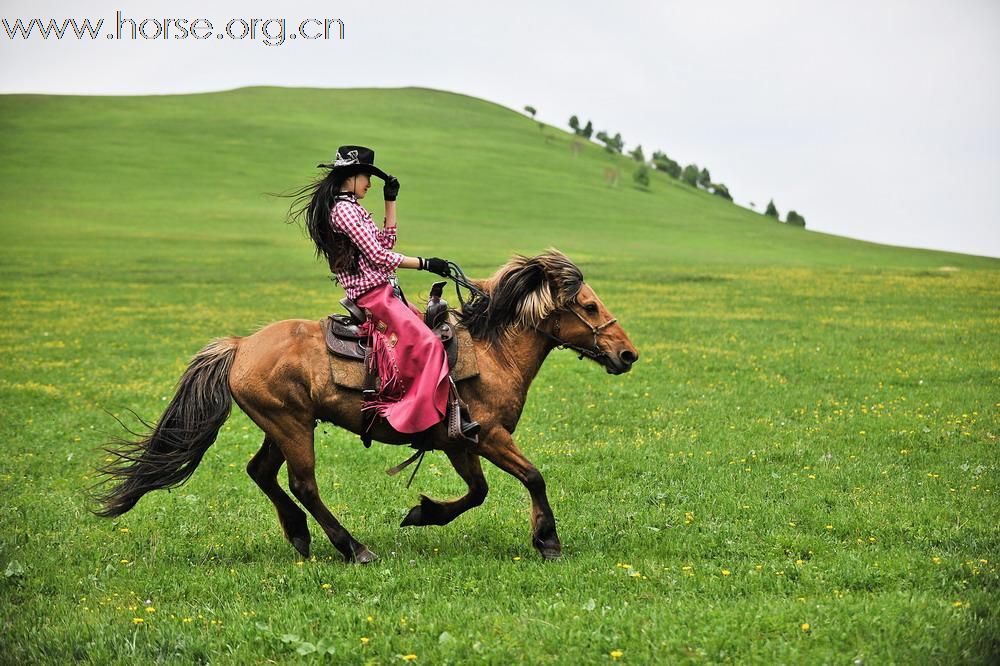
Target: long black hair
(313, 203)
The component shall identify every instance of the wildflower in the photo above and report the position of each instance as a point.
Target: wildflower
(150, 609)
(936, 560)
(791, 524)
(365, 640)
(123, 530)
(726, 572)
(517, 557)
(616, 654)
(371, 619)
(957, 604)
(326, 586)
(829, 527)
(805, 627)
(409, 657)
(137, 620)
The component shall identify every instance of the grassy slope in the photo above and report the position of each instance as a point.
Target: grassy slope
(790, 381)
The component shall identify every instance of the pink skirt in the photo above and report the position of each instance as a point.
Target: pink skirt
(411, 362)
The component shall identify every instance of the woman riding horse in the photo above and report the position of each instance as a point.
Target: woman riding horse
(281, 377)
(411, 361)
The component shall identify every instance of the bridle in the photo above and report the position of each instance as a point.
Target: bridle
(595, 353)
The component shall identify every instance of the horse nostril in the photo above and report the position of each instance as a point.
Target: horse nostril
(628, 357)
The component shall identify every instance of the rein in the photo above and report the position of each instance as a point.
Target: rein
(479, 301)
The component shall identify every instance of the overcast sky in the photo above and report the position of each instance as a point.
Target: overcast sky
(876, 120)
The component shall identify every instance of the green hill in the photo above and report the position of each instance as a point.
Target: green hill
(801, 468)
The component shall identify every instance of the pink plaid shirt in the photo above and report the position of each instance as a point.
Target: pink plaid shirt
(377, 264)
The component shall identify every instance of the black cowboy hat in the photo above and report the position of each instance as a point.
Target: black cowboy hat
(350, 160)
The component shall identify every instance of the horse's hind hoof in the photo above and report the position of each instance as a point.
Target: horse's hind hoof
(550, 553)
(364, 556)
(301, 545)
(421, 514)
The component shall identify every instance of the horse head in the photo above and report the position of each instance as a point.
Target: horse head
(547, 293)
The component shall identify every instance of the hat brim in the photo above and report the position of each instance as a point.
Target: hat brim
(351, 169)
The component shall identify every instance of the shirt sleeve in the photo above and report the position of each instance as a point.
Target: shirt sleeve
(346, 218)
(387, 237)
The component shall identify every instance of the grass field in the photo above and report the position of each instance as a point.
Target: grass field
(802, 467)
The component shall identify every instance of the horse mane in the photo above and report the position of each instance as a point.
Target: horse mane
(523, 292)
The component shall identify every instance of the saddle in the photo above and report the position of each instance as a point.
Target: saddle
(346, 341)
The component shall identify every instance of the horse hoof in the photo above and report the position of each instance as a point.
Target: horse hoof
(414, 518)
(550, 552)
(364, 556)
(301, 545)
(421, 514)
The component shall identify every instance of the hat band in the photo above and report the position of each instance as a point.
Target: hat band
(352, 158)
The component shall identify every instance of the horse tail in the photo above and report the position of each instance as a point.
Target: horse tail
(168, 455)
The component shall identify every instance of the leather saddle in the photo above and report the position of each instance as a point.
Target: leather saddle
(346, 340)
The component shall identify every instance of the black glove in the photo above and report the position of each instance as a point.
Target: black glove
(391, 188)
(435, 265)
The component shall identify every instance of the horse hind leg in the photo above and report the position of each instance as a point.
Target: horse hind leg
(263, 469)
(436, 512)
(295, 438)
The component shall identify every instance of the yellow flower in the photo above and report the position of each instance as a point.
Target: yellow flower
(326, 586)
(936, 560)
(726, 572)
(616, 654)
(123, 530)
(829, 527)
(150, 609)
(805, 627)
(137, 620)
(365, 640)
(409, 657)
(957, 604)
(517, 557)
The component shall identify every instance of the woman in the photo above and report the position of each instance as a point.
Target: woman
(412, 365)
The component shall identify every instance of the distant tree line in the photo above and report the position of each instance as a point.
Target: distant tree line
(691, 174)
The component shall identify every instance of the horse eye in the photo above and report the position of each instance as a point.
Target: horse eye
(590, 307)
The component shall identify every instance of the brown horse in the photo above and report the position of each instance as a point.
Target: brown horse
(281, 377)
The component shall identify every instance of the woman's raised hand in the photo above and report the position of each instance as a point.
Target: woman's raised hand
(391, 188)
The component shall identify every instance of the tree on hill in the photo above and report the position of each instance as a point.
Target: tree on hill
(720, 190)
(641, 176)
(574, 124)
(531, 110)
(772, 210)
(637, 154)
(705, 178)
(587, 131)
(665, 164)
(795, 219)
(611, 144)
(690, 175)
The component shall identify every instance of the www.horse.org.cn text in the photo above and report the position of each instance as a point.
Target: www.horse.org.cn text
(269, 32)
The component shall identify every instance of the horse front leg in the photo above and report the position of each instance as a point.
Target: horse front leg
(499, 448)
(435, 512)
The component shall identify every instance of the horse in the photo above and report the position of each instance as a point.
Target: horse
(281, 377)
